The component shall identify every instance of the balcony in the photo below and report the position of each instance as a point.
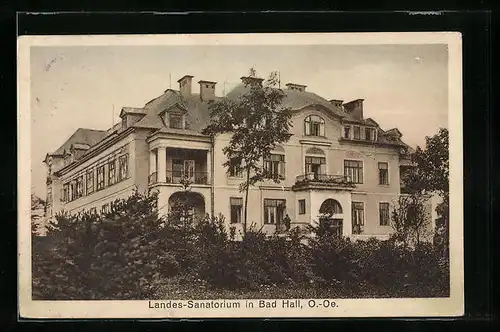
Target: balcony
(322, 181)
(175, 177)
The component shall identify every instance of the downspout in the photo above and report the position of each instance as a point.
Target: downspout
(212, 185)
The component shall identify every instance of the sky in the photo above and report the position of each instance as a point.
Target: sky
(403, 86)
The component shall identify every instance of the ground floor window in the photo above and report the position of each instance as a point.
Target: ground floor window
(384, 214)
(302, 206)
(236, 208)
(274, 211)
(358, 217)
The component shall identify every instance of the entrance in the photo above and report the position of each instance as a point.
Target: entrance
(331, 217)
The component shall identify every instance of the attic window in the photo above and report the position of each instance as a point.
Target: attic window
(175, 121)
(347, 132)
(369, 134)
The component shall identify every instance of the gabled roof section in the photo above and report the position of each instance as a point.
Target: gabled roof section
(393, 132)
(371, 122)
(132, 110)
(197, 111)
(82, 136)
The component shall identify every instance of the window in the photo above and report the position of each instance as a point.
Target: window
(66, 192)
(49, 195)
(347, 132)
(383, 173)
(234, 169)
(105, 209)
(122, 167)
(369, 134)
(383, 209)
(330, 207)
(302, 206)
(358, 218)
(100, 177)
(353, 171)
(90, 182)
(93, 210)
(72, 190)
(111, 172)
(357, 132)
(315, 165)
(314, 126)
(236, 207)
(274, 211)
(79, 187)
(175, 121)
(177, 168)
(274, 166)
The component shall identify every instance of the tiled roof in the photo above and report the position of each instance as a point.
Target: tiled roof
(197, 116)
(294, 99)
(82, 136)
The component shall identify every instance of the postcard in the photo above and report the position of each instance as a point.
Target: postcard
(240, 175)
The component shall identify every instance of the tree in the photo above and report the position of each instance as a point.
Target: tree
(257, 121)
(410, 220)
(37, 212)
(121, 254)
(431, 175)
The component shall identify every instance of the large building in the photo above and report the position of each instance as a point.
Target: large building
(337, 161)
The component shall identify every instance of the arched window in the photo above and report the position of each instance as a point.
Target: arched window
(330, 207)
(314, 126)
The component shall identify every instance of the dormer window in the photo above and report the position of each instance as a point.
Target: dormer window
(175, 120)
(357, 132)
(347, 132)
(314, 126)
(369, 134)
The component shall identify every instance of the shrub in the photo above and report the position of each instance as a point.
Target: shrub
(130, 253)
(120, 255)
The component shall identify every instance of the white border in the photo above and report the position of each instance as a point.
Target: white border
(453, 306)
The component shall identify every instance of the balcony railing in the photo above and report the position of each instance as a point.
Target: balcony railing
(179, 177)
(323, 180)
(153, 178)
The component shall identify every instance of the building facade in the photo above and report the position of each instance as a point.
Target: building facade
(337, 163)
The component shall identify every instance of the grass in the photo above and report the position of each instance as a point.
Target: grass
(179, 288)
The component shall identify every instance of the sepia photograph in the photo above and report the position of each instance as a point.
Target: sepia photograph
(251, 175)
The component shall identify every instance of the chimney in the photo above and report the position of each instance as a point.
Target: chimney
(336, 102)
(207, 90)
(249, 80)
(299, 87)
(355, 108)
(185, 85)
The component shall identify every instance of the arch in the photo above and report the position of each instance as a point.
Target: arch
(330, 207)
(194, 199)
(278, 148)
(315, 150)
(314, 125)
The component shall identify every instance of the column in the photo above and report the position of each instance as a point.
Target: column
(162, 164)
(152, 165)
(152, 161)
(209, 167)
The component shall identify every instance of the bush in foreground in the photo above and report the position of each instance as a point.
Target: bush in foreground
(130, 253)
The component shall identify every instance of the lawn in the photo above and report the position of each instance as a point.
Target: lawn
(180, 289)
